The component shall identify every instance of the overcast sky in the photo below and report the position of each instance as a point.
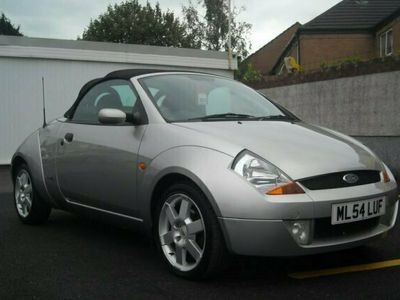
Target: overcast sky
(66, 19)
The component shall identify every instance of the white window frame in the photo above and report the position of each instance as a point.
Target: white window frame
(384, 36)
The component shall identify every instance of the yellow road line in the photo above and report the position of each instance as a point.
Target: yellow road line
(347, 269)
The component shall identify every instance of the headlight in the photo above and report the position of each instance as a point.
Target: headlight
(265, 177)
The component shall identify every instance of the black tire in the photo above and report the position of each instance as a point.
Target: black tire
(39, 210)
(215, 257)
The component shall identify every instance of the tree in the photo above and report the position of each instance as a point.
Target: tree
(211, 30)
(7, 28)
(133, 23)
(194, 26)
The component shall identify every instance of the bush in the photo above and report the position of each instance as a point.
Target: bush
(248, 73)
(351, 61)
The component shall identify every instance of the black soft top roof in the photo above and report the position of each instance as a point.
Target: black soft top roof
(120, 74)
(129, 73)
(86, 87)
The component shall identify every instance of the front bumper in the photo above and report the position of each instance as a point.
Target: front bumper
(273, 238)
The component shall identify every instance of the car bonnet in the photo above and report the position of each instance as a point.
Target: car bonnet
(298, 149)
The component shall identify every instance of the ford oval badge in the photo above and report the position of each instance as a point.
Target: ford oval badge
(350, 178)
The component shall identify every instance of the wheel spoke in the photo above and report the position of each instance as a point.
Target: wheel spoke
(28, 189)
(19, 182)
(195, 227)
(28, 201)
(17, 194)
(25, 208)
(171, 214)
(167, 238)
(184, 209)
(24, 179)
(180, 254)
(194, 249)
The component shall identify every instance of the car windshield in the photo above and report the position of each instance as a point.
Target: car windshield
(196, 97)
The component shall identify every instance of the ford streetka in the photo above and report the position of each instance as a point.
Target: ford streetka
(208, 167)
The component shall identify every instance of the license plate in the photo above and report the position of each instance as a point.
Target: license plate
(357, 210)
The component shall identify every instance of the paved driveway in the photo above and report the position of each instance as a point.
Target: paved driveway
(72, 257)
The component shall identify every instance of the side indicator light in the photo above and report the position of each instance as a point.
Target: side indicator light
(385, 176)
(142, 166)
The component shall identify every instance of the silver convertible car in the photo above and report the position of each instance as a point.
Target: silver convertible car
(208, 167)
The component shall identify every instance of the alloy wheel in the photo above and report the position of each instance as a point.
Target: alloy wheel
(23, 193)
(182, 232)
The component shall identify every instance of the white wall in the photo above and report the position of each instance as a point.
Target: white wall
(21, 92)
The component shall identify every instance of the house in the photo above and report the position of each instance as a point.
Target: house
(266, 57)
(66, 65)
(362, 29)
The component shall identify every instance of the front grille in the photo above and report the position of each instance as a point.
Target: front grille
(323, 229)
(335, 180)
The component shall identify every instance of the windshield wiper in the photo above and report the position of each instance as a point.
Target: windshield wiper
(223, 116)
(274, 117)
(234, 116)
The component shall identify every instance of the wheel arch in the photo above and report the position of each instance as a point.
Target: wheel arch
(16, 161)
(29, 153)
(175, 175)
(186, 163)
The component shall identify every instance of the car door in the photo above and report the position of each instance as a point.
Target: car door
(97, 163)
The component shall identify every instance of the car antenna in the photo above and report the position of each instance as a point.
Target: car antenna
(44, 105)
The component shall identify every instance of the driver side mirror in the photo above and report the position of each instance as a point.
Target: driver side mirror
(111, 116)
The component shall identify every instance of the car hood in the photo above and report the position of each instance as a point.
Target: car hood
(298, 149)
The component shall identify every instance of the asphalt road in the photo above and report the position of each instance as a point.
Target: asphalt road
(72, 257)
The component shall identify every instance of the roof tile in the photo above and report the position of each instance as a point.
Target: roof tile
(354, 14)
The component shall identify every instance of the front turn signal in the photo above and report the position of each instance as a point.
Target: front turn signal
(286, 189)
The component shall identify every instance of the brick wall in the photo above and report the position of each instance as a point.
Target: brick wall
(318, 48)
(327, 48)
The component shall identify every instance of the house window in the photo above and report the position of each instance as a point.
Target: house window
(386, 43)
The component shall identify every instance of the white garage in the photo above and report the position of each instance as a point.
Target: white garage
(66, 65)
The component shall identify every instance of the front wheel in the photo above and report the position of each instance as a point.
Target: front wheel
(31, 209)
(187, 233)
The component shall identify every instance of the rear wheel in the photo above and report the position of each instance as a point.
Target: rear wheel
(31, 209)
(187, 233)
